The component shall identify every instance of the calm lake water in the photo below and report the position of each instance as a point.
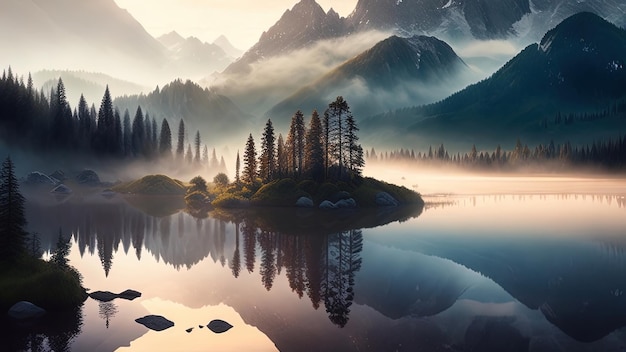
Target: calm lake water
(543, 269)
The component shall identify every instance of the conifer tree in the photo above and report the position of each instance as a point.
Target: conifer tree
(237, 167)
(281, 157)
(197, 144)
(165, 140)
(354, 152)
(180, 147)
(137, 135)
(314, 153)
(106, 124)
(13, 235)
(205, 155)
(249, 160)
(189, 154)
(267, 158)
(128, 138)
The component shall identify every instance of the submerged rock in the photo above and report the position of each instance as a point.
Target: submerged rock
(189, 330)
(103, 296)
(155, 322)
(25, 310)
(129, 295)
(304, 202)
(384, 199)
(219, 326)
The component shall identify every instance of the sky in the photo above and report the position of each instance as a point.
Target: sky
(241, 21)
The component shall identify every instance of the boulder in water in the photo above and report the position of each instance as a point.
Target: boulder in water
(155, 322)
(327, 205)
(25, 310)
(219, 326)
(304, 202)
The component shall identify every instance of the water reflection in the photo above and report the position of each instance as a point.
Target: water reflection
(502, 287)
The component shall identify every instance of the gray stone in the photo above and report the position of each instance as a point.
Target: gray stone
(327, 205)
(349, 203)
(61, 189)
(25, 310)
(304, 202)
(219, 326)
(37, 178)
(103, 296)
(155, 322)
(384, 199)
(129, 295)
(88, 177)
(189, 330)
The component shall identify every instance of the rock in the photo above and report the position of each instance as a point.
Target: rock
(327, 205)
(103, 296)
(304, 202)
(88, 177)
(384, 199)
(25, 310)
(155, 322)
(129, 295)
(58, 175)
(37, 178)
(108, 193)
(61, 189)
(201, 326)
(189, 330)
(219, 326)
(349, 203)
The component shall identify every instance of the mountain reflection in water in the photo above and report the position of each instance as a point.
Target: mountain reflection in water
(391, 287)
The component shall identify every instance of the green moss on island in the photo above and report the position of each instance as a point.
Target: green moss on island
(153, 185)
(42, 283)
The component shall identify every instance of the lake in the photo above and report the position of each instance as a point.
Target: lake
(540, 267)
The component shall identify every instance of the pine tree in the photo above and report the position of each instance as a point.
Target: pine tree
(205, 155)
(267, 159)
(118, 146)
(137, 136)
(165, 140)
(314, 153)
(338, 111)
(197, 144)
(249, 160)
(189, 154)
(354, 152)
(281, 157)
(13, 235)
(128, 138)
(59, 255)
(180, 147)
(106, 124)
(237, 167)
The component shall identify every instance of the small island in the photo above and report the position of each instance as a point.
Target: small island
(319, 166)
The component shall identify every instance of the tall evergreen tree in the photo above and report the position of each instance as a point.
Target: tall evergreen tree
(13, 235)
(189, 155)
(249, 160)
(281, 157)
(138, 135)
(165, 140)
(237, 167)
(354, 151)
(180, 146)
(205, 155)
(337, 113)
(128, 139)
(314, 153)
(106, 124)
(197, 143)
(267, 159)
(119, 137)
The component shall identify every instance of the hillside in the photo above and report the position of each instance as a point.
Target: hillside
(578, 67)
(152, 185)
(407, 64)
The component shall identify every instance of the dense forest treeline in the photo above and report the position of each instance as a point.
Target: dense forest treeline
(607, 155)
(34, 119)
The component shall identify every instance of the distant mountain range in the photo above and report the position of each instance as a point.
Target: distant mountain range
(578, 67)
(192, 58)
(450, 20)
(394, 71)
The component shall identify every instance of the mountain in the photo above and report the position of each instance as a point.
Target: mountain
(217, 117)
(91, 85)
(411, 65)
(227, 46)
(93, 35)
(578, 67)
(190, 57)
(478, 19)
(299, 27)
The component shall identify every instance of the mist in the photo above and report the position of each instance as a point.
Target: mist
(273, 79)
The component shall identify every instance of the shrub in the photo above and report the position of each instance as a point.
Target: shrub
(198, 184)
(221, 179)
(230, 200)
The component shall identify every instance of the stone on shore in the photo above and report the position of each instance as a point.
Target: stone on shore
(25, 310)
(304, 202)
(219, 326)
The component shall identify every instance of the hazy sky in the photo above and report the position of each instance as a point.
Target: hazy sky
(242, 21)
